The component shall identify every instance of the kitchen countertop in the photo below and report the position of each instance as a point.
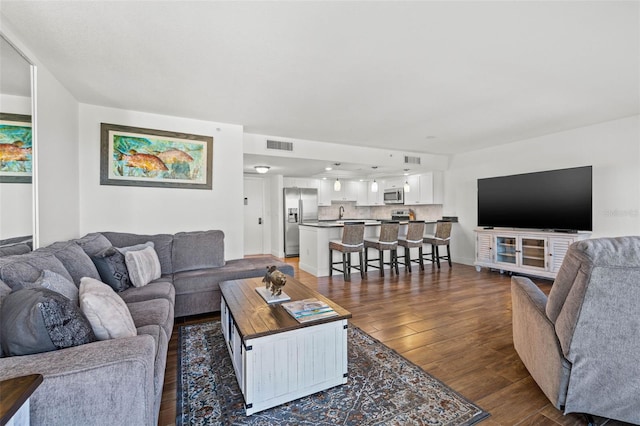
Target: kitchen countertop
(340, 223)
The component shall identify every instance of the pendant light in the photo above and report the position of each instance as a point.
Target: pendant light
(374, 184)
(337, 185)
(406, 186)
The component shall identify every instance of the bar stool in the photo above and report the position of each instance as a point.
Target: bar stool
(413, 239)
(388, 241)
(352, 242)
(441, 238)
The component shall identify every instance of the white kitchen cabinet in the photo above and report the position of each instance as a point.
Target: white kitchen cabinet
(425, 188)
(537, 253)
(291, 182)
(348, 191)
(325, 192)
(366, 197)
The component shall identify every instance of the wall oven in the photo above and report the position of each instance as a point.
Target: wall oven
(394, 196)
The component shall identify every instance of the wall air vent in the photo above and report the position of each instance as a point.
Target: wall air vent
(280, 145)
(411, 160)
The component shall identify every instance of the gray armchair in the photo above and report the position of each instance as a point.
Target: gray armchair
(582, 343)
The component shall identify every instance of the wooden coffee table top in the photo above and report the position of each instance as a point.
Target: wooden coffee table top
(14, 392)
(255, 318)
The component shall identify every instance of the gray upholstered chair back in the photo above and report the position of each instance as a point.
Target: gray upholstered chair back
(443, 230)
(353, 233)
(415, 231)
(389, 231)
(593, 306)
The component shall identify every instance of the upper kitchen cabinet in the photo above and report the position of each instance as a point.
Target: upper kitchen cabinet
(426, 188)
(290, 182)
(348, 191)
(366, 197)
(325, 192)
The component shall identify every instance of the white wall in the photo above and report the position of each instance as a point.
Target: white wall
(162, 210)
(15, 198)
(612, 148)
(57, 161)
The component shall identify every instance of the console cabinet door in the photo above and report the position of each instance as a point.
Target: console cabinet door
(558, 247)
(484, 248)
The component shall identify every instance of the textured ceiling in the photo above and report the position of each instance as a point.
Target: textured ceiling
(433, 77)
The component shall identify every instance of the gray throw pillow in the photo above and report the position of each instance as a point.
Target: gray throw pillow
(56, 282)
(112, 268)
(35, 320)
(143, 266)
(4, 292)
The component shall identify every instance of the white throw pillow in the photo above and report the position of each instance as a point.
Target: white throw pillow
(107, 313)
(143, 266)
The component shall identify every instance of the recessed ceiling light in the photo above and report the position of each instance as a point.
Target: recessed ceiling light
(328, 168)
(262, 169)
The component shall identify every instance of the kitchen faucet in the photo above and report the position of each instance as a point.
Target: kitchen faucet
(340, 212)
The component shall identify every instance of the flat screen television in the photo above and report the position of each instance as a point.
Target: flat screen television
(558, 200)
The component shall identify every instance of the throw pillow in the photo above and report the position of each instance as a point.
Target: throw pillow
(112, 268)
(35, 320)
(106, 311)
(136, 247)
(5, 290)
(143, 266)
(56, 282)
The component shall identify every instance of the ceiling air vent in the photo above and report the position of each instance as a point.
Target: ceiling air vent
(280, 145)
(411, 160)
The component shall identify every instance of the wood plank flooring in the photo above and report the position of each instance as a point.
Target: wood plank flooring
(455, 323)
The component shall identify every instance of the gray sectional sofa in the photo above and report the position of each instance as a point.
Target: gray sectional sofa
(119, 381)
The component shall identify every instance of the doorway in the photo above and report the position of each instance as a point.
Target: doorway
(253, 216)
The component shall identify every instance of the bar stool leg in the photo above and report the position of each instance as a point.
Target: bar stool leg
(420, 259)
(395, 260)
(437, 255)
(381, 261)
(330, 262)
(407, 258)
(361, 266)
(344, 266)
(449, 255)
(366, 259)
(349, 264)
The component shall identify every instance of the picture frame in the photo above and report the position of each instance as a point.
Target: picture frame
(16, 148)
(134, 156)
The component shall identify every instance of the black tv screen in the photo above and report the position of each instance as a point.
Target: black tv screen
(553, 200)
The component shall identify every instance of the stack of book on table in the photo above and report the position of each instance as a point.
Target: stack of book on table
(309, 310)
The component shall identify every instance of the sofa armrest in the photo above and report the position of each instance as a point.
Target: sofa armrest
(535, 340)
(105, 382)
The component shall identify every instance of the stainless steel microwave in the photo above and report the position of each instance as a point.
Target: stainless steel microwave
(394, 196)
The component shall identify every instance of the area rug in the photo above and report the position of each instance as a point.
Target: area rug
(383, 388)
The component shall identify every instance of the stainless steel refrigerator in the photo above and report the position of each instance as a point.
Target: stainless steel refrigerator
(300, 205)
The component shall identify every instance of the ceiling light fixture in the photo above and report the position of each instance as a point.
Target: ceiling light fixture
(407, 188)
(262, 169)
(337, 185)
(328, 169)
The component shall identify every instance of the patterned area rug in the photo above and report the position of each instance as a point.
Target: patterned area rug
(383, 388)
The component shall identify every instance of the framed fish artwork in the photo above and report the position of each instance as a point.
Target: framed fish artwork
(16, 148)
(132, 156)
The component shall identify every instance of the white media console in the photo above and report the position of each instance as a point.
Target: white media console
(538, 253)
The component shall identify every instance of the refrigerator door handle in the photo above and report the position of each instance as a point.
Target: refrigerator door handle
(300, 211)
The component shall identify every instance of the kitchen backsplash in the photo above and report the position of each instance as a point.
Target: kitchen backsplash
(351, 211)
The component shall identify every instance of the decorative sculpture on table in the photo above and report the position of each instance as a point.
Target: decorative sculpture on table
(274, 280)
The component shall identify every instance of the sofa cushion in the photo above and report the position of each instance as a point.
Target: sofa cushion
(16, 270)
(74, 259)
(58, 283)
(4, 292)
(112, 268)
(19, 248)
(162, 288)
(197, 250)
(35, 320)
(162, 244)
(93, 243)
(143, 266)
(106, 311)
(153, 312)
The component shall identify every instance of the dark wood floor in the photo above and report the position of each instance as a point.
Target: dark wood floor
(455, 323)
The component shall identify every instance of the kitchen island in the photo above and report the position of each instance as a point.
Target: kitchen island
(315, 236)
